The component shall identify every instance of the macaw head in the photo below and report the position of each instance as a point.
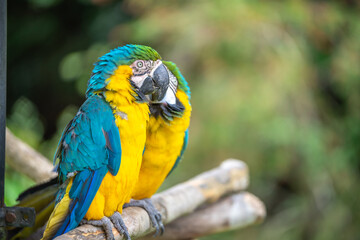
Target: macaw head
(149, 78)
(170, 106)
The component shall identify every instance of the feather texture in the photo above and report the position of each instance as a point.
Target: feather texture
(89, 148)
(166, 141)
(179, 158)
(58, 215)
(83, 190)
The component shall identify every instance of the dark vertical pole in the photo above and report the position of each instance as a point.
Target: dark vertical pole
(3, 18)
(9, 216)
(3, 13)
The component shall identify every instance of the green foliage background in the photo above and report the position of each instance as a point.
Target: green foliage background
(275, 84)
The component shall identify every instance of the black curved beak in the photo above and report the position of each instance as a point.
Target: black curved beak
(162, 80)
(148, 86)
(156, 83)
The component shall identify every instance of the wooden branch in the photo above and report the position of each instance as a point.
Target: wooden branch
(230, 177)
(232, 212)
(26, 160)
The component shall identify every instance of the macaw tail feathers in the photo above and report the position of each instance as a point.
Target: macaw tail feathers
(58, 215)
(42, 198)
(37, 190)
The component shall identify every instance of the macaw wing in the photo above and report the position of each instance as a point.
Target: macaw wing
(179, 158)
(89, 148)
(91, 140)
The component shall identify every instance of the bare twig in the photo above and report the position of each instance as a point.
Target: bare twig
(26, 160)
(230, 177)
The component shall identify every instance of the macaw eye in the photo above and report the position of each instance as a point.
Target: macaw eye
(140, 64)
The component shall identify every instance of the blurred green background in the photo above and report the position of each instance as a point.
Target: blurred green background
(274, 83)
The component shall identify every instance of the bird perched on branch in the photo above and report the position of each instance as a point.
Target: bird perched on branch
(166, 136)
(166, 141)
(99, 154)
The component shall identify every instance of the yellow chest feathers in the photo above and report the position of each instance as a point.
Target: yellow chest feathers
(164, 141)
(130, 116)
(177, 124)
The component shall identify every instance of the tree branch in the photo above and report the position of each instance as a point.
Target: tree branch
(230, 177)
(235, 211)
(206, 204)
(26, 160)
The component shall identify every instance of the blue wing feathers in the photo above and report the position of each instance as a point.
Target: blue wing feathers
(113, 144)
(85, 145)
(90, 147)
(83, 191)
(58, 151)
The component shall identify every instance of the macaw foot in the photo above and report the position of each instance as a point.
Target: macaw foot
(154, 214)
(120, 225)
(105, 223)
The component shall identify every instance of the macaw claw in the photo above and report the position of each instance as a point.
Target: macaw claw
(120, 225)
(154, 214)
(105, 223)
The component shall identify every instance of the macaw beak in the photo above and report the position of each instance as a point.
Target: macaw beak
(156, 83)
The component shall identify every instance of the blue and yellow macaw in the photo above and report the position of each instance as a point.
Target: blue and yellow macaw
(166, 138)
(99, 154)
(166, 141)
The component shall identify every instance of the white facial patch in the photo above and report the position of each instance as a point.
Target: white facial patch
(138, 80)
(170, 96)
(141, 70)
